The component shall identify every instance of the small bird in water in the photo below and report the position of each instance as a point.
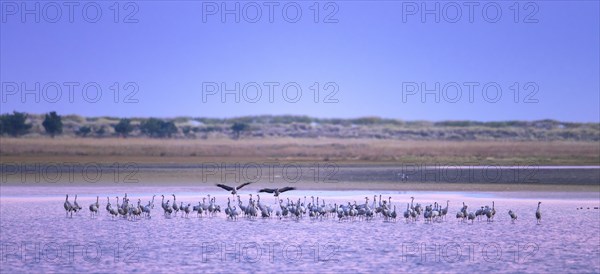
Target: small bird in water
(513, 216)
(538, 213)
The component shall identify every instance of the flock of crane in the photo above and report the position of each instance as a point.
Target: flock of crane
(290, 209)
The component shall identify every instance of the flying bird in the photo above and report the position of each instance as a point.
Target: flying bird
(277, 191)
(233, 189)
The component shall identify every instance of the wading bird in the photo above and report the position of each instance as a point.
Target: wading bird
(76, 206)
(538, 213)
(113, 212)
(513, 216)
(94, 207)
(175, 206)
(68, 206)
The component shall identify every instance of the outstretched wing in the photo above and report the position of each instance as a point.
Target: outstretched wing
(268, 190)
(286, 189)
(243, 185)
(228, 188)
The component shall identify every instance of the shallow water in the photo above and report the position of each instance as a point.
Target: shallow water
(36, 236)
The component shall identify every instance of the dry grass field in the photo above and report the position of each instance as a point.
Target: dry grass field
(347, 151)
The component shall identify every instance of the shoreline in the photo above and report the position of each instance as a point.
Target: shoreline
(193, 194)
(319, 175)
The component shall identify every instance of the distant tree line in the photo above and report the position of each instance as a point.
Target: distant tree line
(15, 125)
(152, 127)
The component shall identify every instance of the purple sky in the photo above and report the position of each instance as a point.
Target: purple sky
(369, 58)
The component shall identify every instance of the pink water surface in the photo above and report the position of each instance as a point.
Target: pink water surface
(37, 237)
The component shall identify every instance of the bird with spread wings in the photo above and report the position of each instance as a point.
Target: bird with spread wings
(233, 189)
(277, 191)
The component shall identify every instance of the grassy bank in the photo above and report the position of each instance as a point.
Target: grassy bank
(350, 151)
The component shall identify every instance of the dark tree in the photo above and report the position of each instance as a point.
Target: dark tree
(53, 124)
(101, 131)
(158, 128)
(238, 128)
(124, 127)
(168, 129)
(83, 131)
(14, 124)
